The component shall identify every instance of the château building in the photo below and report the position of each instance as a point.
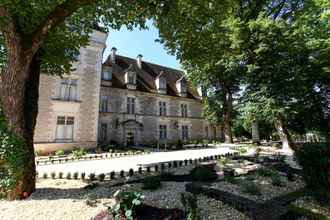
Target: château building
(123, 100)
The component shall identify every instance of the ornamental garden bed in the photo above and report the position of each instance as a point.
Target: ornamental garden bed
(257, 187)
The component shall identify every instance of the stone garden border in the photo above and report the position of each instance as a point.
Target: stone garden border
(146, 169)
(271, 209)
(68, 159)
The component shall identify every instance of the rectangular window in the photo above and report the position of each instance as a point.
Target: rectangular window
(162, 83)
(184, 110)
(103, 132)
(162, 108)
(104, 103)
(130, 105)
(162, 132)
(106, 75)
(131, 78)
(64, 128)
(185, 134)
(68, 90)
(206, 132)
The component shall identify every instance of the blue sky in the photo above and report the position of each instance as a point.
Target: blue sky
(132, 43)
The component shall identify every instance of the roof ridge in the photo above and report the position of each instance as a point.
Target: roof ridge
(147, 62)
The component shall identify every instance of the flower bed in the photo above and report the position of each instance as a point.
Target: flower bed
(68, 158)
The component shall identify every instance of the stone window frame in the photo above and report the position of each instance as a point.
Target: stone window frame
(163, 132)
(131, 105)
(162, 108)
(72, 80)
(104, 107)
(185, 132)
(66, 120)
(109, 75)
(184, 110)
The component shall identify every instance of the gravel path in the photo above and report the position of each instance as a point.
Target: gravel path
(125, 163)
(66, 199)
(52, 201)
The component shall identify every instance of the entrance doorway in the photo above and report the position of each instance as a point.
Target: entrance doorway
(130, 137)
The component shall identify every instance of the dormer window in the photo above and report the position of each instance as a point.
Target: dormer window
(130, 77)
(182, 87)
(161, 83)
(106, 75)
(130, 80)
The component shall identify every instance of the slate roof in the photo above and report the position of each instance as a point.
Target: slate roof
(147, 75)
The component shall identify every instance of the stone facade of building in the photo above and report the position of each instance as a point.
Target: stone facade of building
(125, 101)
(69, 106)
(166, 108)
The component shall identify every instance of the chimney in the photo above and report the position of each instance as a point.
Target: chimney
(113, 55)
(139, 61)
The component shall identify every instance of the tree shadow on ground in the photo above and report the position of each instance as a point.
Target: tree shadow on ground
(53, 193)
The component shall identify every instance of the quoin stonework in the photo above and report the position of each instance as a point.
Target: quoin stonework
(124, 101)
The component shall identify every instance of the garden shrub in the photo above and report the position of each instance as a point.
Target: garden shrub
(101, 177)
(189, 202)
(277, 180)
(59, 153)
(251, 188)
(91, 176)
(266, 172)
(126, 203)
(68, 176)
(75, 175)
(151, 183)
(203, 173)
(53, 175)
(231, 179)
(77, 152)
(315, 162)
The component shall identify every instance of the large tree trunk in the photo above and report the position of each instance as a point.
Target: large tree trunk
(255, 132)
(228, 111)
(19, 86)
(287, 143)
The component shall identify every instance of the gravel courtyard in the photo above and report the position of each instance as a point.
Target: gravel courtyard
(125, 163)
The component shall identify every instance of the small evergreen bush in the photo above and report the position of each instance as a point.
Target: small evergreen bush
(68, 176)
(251, 188)
(101, 177)
(60, 175)
(82, 176)
(151, 183)
(91, 176)
(266, 172)
(203, 173)
(75, 175)
(278, 181)
(53, 175)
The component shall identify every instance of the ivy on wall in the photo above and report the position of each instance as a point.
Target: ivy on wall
(11, 158)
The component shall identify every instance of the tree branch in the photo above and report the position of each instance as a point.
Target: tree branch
(55, 17)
